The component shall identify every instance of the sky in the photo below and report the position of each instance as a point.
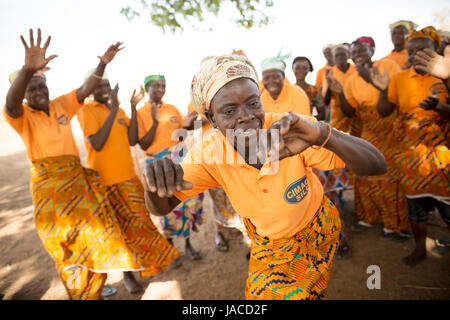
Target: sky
(82, 30)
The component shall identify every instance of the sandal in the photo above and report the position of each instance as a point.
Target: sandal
(108, 291)
(402, 236)
(344, 251)
(441, 246)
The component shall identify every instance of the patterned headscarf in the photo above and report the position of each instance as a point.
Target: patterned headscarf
(152, 78)
(276, 63)
(368, 40)
(409, 25)
(214, 74)
(427, 33)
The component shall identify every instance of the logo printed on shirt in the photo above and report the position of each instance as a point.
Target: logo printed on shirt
(173, 119)
(297, 191)
(63, 120)
(122, 121)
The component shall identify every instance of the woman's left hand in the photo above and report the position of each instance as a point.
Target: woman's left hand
(431, 102)
(109, 55)
(295, 135)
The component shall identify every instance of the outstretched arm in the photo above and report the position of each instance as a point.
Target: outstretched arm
(34, 60)
(298, 134)
(133, 128)
(92, 82)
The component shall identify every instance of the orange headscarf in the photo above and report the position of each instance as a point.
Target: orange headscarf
(427, 33)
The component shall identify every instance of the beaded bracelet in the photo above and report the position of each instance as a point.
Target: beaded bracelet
(326, 140)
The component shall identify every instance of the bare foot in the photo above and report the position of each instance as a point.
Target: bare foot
(415, 257)
(221, 243)
(193, 253)
(131, 284)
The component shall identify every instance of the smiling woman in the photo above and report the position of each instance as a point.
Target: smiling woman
(294, 229)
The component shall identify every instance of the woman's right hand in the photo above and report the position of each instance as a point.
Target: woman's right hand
(35, 55)
(164, 177)
(433, 63)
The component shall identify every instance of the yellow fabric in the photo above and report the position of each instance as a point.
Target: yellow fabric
(48, 136)
(292, 98)
(113, 162)
(278, 203)
(170, 119)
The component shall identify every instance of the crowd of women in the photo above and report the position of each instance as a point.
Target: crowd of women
(379, 127)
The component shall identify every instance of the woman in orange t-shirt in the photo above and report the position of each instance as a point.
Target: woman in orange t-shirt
(109, 133)
(380, 199)
(294, 229)
(158, 137)
(421, 137)
(71, 213)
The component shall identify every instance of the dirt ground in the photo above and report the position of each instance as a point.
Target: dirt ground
(27, 272)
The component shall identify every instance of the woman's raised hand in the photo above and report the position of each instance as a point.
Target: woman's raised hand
(109, 55)
(333, 84)
(136, 97)
(35, 55)
(380, 81)
(433, 63)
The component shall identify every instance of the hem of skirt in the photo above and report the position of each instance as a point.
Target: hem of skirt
(68, 268)
(443, 199)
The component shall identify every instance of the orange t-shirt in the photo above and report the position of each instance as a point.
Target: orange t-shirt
(279, 203)
(170, 119)
(399, 58)
(337, 118)
(48, 136)
(292, 98)
(408, 88)
(361, 94)
(113, 162)
(320, 76)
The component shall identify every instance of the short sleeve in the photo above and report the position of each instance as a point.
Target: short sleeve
(321, 159)
(141, 125)
(16, 123)
(69, 103)
(88, 122)
(197, 172)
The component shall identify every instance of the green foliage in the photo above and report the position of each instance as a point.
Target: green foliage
(173, 13)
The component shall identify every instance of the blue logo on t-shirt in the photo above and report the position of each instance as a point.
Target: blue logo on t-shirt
(63, 120)
(297, 191)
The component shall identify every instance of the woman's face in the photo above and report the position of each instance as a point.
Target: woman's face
(415, 45)
(328, 55)
(102, 92)
(398, 35)
(273, 81)
(341, 56)
(237, 106)
(37, 93)
(301, 68)
(362, 53)
(157, 90)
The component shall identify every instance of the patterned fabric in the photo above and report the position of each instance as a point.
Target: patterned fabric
(152, 78)
(422, 155)
(214, 74)
(428, 33)
(314, 96)
(296, 268)
(380, 199)
(79, 229)
(188, 215)
(224, 213)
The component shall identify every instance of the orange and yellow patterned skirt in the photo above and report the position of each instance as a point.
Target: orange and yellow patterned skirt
(295, 268)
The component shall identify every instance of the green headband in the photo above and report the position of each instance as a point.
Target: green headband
(150, 79)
